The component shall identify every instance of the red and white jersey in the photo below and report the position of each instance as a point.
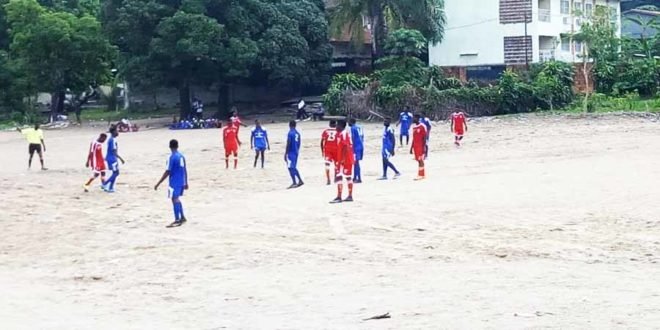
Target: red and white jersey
(96, 161)
(419, 135)
(329, 138)
(230, 137)
(345, 142)
(458, 120)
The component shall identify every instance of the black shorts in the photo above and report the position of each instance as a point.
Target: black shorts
(34, 147)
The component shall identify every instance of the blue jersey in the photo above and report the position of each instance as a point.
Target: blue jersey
(358, 137)
(427, 122)
(388, 140)
(293, 140)
(405, 119)
(260, 137)
(176, 165)
(112, 149)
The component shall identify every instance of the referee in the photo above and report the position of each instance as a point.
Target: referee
(35, 139)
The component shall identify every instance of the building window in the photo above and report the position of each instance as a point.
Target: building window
(614, 15)
(588, 8)
(577, 7)
(565, 45)
(578, 47)
(565, 7)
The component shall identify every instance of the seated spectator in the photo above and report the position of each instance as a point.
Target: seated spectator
(302, 113)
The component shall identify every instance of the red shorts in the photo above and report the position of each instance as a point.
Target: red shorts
(419, 154)
(98, 166)
(459, 131)
(346, 169)
(229, 150)
(330, 157)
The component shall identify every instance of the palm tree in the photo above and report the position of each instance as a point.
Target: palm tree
(427, 16)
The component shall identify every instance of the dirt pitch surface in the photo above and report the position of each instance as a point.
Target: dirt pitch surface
(537, 222)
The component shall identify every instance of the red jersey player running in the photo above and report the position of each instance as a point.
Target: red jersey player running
(458, 126)
(329, 147)
(231, 142)
(344, 162)
(96, 161)
(418, 147)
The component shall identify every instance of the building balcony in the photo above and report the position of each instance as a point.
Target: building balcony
(546, 55)
(545, 15)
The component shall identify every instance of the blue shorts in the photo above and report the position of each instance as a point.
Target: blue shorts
(292, 161)
(113, 165)
(405, 131)
(359, 154)
(174, 192)
(386, 154)
(260, 148)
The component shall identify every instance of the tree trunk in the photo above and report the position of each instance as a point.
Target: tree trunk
(224, 100)
(585, 74)
(378, 30)
(61, 97)
(184, 100)
(53, 106)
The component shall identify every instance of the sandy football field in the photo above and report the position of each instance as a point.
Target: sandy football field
(537, 222)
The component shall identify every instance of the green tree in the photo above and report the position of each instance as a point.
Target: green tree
(426, 16)
(264, 42)
(57, 51)
(184, 47)
(600, 51)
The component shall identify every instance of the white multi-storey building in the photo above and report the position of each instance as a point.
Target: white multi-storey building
(481, 34)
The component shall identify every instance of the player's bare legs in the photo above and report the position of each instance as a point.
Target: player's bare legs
(420, 171)
(235, 160)
(349, 183)
(30, 159)
(226, 161)
(340, 187)
(41, 160)
(96, 175)
(327, 172)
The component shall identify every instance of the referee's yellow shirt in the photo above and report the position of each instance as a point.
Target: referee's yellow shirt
(33, 136)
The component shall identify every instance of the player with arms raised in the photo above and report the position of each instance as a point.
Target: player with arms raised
(329, 148)
(96, 161)
(177, 171)
(345, 162)
(35, 138)
(231, 142)
(458, 126)
(419, 147)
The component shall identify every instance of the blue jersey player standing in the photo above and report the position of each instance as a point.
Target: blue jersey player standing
(112, 158)
(405, 121)
(259, 142)
(389, 143)
(358, 148)
(291, 155)
(178, 173)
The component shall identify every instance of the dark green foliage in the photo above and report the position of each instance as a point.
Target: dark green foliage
(264, 42)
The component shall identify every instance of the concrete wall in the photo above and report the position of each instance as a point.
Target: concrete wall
(169, 97)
